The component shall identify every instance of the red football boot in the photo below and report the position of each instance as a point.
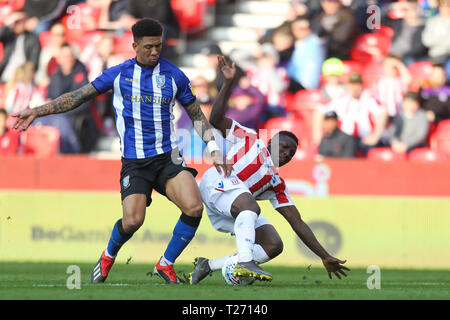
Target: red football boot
(101, 269)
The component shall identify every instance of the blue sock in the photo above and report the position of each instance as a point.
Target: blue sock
(183, 233)
(118, 238)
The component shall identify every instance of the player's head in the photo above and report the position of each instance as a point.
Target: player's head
(282, 147)
(147, 34)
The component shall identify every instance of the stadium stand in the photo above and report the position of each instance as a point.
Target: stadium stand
(385, 154)
(440, 139)
(426, 155)
(237, 27)
(41, 141)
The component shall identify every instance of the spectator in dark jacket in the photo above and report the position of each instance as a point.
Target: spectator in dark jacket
(410, 127)
(19, 45)
(336, 143)
(338, 26)
(70, 76)
(436, 95)
(247, 104)
(407, 40)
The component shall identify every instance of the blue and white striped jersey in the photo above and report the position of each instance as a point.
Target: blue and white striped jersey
(143, 100)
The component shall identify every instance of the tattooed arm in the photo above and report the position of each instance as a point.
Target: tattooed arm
(63, 103)
(202, 127)
(199, 121)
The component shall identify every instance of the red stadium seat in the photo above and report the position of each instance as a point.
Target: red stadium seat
(91, 37)
(387, 31)
(123, 45)
(42, 141)
(420, 72)
(385, 154)
(2, 89)
(303, 105)
(370, 47)
(45, 39)
(440, 139)
(191, 15)
(351, 67)
(426, 155)
(275, 125)
(372, 73)
(305, 99)
(80, 19)
(17, 4)
(5, 11)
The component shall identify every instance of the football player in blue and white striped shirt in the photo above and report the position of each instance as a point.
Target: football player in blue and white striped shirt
(144, 92)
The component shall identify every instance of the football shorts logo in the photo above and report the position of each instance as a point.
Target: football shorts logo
(220, 187)
(160, 81)
(126, 182)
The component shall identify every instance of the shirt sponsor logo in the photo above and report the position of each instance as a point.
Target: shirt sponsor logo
(147, 99)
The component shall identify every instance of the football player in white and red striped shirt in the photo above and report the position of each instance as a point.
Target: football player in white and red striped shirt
(231, 201)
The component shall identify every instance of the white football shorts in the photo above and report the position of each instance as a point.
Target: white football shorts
(218, 194)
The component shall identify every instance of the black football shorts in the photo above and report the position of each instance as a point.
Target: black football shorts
(143, 175)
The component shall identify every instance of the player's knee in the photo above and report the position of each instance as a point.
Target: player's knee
(275, 248)
(132, 223)
(195, 209)
(254, 207)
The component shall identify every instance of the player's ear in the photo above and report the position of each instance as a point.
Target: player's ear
(135, 44)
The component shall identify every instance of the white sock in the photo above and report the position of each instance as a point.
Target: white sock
(244, 229)
(164, 262)
(259, 254)
(217, 264)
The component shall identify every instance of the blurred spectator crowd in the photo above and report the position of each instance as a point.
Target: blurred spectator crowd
(351, 78)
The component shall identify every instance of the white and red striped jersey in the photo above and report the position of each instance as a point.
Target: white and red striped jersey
(390, 92)
(356, 116)
(253, 165)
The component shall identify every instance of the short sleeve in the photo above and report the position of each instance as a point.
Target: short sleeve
(281, 197)
(105, 81)
(278, 195)
(185, 94)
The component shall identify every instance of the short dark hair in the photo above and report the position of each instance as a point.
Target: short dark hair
(393, 56)
(303, 17)
(290, 135)
(439, 65)
(3, 111)
(147, 27)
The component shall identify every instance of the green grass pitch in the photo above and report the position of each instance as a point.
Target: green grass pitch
(130, 281)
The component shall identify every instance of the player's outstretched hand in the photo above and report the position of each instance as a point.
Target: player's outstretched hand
(229, 72)
(221, 163)
(24, 119)
(334, 265)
